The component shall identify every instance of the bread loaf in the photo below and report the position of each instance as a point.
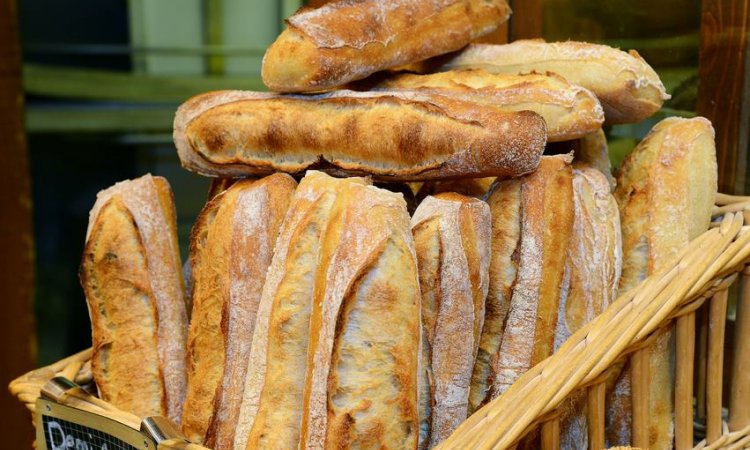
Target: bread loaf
(570, 112)
(665, 192)
(131, 275)
(594, 265)
(336, 343)
(344, 40)
(231, 249)
(392, 136)
(452, 239)
(532, 219)
(625, 84)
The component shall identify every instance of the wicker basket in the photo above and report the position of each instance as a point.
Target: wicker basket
(698, 278)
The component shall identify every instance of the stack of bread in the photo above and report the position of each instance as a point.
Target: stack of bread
(323, 310)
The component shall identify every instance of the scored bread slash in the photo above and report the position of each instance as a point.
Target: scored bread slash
(393, 136)
(348, 40)
(628, 88)
(570, 111)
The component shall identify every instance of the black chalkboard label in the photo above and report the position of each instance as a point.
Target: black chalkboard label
(63, 435)
(60, 427)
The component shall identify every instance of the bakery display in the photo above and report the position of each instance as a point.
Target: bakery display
(625, 84)
(570, 112)
(344, 41)
(393, 136)
(427, 255)
(452, 240)
(231, 249)
(131, 275)
(665, 192)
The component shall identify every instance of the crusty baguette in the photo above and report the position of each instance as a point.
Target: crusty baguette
(570, 112)
(131, 274)
(665, 192)
(593, 269)
(452, 240)
(361, 388)
(505, 206)
(345, 40)
(394, 136)
(336, 342)
(231, 249)
(538, 260)
(625, 84)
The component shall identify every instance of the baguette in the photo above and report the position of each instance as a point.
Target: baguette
(231, 249)
(363, 359)
(571, 112)
(593, 268)
(392, 136)
(665, 192)
(452, 239)
(344, 40)
(526, 273)
(131, 275)
(336, 342)
(625, 84)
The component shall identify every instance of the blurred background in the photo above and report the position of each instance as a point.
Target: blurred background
(100, 81)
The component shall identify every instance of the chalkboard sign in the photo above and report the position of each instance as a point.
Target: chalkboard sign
(60, 427)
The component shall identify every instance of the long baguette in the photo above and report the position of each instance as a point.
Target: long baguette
(452, 239)
(361, 388)
(627, 86)
(231, 249)
(594, 266)
(538, 261)
(336, 342)
(345, 40)
(665, 192)
(395, 136)
(571, 112)
(131, 274)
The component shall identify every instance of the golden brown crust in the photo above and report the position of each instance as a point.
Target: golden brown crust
(504, 201)
(344, 41)
(570, 112)
(231, 248)
(546, 220)
(396, 136)
(452, 239)
(626, 85)
(123, 314)
(155, 263)
(665, 192)
(365, 336)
